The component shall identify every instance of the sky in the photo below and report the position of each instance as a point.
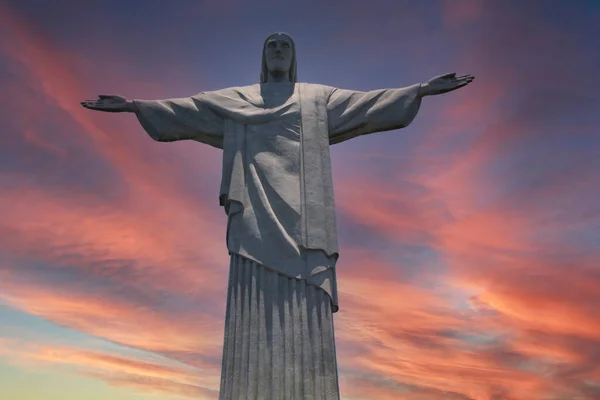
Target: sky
(469, 241)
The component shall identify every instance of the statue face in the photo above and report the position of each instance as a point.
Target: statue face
(278, 54)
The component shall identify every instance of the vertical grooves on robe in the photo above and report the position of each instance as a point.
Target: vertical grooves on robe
(279, 341)
(288, 350)
(276, 344)
(297, 338)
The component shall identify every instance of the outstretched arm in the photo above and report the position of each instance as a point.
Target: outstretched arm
(354, 113)
(169, 120)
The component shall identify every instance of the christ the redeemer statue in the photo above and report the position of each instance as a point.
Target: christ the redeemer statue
(277, 192)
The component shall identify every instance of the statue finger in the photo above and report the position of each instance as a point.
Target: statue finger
(105, 96)
(450, 75)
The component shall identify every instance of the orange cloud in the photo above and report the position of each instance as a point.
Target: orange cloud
(505, 310)
(118, 318)
(153, 375)
(512, 311)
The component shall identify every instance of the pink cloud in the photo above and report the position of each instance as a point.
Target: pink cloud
(155, 239)
(529, 321)
(148, 376)
(118, 318)
(510, 313)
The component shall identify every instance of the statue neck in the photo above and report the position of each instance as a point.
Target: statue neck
(278, 76)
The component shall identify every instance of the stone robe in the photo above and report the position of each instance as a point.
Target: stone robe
(277, 187)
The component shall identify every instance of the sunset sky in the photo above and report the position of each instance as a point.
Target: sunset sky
(469, 241)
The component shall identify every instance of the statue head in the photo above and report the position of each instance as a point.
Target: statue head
(279, 58)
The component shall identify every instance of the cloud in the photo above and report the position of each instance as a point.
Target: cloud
(140, 267)
(146, 373)
(500, 189)
(160, 386)
(469, 269)
(145, 319)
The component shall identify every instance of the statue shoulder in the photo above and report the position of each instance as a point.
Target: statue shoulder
(317, 89)
(247, 91)
(240, 89)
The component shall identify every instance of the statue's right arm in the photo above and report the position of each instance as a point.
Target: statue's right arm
(187, 118)
(131, 106)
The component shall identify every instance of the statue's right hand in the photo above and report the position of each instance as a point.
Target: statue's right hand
(109, 103)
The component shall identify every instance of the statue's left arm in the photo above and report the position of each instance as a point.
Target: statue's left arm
(353, 113)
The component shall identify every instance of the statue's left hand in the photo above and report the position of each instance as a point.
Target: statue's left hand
(445, 83)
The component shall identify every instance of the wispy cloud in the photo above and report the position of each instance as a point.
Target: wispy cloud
(469, 266)
(154, 375)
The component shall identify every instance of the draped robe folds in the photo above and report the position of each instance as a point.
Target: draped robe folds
(276, 186)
